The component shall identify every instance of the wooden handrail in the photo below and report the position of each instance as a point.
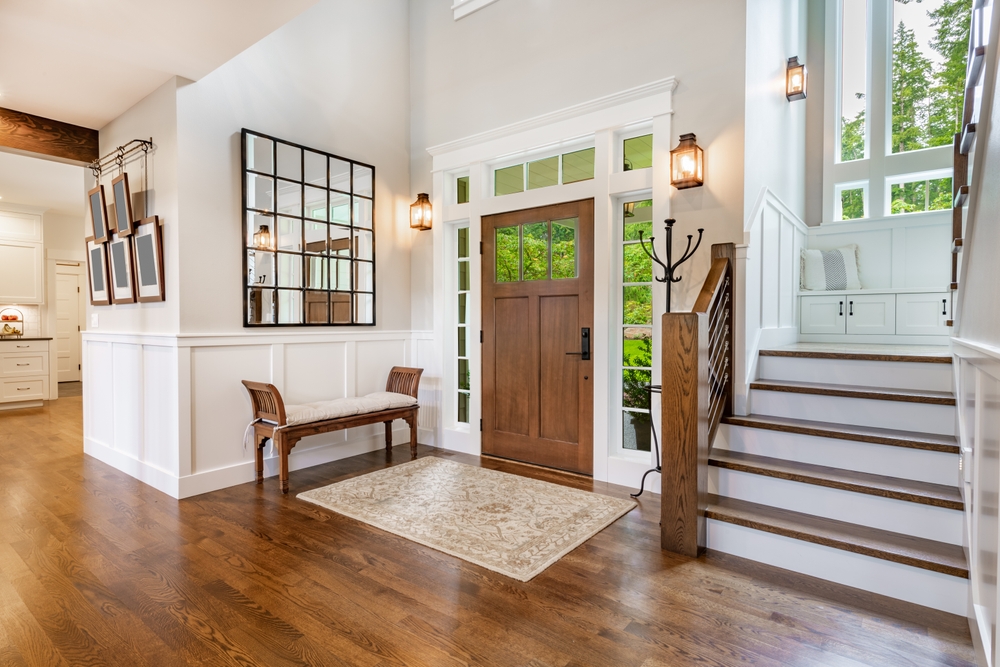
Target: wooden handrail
(697, 391)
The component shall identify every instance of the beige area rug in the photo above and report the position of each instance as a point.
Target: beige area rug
(506, 523)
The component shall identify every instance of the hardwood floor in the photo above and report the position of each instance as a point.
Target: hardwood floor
(98, 569)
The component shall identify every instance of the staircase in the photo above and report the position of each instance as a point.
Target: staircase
(846, 470)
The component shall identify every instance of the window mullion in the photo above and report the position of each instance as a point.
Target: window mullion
(878, 105)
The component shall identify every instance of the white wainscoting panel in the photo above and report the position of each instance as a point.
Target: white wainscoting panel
(170, 409)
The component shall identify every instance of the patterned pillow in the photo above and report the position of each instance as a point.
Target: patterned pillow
(835, 269)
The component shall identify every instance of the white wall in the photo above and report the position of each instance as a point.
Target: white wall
(775, 154)
(64, 234)
(153, 117)
(334, 78)
(517, 59)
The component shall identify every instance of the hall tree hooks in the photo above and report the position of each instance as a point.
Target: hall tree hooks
(670, 266)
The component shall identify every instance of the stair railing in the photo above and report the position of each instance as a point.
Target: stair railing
(697, 381)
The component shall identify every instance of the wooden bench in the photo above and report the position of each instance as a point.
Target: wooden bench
(270, 421)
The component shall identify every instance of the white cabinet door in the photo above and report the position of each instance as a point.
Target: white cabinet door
(823, 314)
(871, 314)
(923, 314)
(21, 269)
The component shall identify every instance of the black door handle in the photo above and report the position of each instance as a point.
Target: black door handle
(584, 344)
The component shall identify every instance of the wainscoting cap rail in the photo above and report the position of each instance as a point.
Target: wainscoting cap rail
(639, 92)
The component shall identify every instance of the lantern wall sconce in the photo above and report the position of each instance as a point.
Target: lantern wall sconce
(421, 213)
(687, 163)
(262, 238)
(795, 80)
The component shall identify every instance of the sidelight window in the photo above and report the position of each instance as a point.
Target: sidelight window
(464, 375)
(636, 325)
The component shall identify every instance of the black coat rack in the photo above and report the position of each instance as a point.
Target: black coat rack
(670, 266)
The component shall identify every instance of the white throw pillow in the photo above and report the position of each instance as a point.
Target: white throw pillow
(835, 269)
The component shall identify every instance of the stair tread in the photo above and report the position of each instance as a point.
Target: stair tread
(880, 436)
(906, 549)
(855, 391)
(926, 493)
(918, 354)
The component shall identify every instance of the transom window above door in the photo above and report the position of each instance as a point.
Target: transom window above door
(544, 250)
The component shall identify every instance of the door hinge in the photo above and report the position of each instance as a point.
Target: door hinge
(79, 367)
(480, 247)
(480, 424)
(480, 335)
(77, 327)
(77, 290)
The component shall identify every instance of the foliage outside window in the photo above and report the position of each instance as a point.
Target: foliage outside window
(921, 195)
(637, 326)
(854, 78)
(464, 375)
(566, 168)
(309, 235)
(536, 251)
(852, 203)
(928, 77)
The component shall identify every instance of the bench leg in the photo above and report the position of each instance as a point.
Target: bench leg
(282, 447)
(412, 421)
(388, 437)
(259, 460)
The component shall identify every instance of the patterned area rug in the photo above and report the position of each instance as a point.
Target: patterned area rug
(506, 523)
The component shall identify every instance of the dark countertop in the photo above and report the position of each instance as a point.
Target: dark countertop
(3, 338)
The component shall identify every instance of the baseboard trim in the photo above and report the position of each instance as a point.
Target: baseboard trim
(220, 478)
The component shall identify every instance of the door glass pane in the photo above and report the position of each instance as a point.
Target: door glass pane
(634, 383)
(638, 153)
(462, 190)
(922, 195)
(638, 217)
(637, 347)
(508, 180)
(637, 305)
(463, 373)
(929, 50)
(637, 431)
(507, 255)
(543, 173)
(578, 166)
(535, 246)
(564, 248)
(854, 79)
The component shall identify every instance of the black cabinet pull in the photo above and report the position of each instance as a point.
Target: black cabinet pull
(944, 306)
(851, 309)
(841, 308)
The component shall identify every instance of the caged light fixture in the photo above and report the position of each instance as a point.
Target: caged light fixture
(687, 163)
(795, 80)
(421, 213)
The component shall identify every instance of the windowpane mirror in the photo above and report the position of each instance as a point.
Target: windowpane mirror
(309, 239)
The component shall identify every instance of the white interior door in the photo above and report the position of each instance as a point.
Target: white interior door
(68, 326)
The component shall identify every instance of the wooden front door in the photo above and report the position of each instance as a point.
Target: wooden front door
(538, 326)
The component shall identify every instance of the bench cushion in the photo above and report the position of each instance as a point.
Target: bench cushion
(346, 407)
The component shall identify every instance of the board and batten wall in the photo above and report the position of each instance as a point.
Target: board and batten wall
(162, 393)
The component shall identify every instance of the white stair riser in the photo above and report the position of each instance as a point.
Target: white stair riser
(916, 464)
(898, 516)
(895, 580)
(904, 416)
(894, 374)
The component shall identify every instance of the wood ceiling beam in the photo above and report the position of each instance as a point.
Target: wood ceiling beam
(33, 135)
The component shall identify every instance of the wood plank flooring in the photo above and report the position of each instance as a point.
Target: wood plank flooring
(98, 569)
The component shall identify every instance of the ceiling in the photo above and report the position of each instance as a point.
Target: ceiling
(87, 61)
(31, 181)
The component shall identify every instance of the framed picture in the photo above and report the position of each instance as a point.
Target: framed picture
(123, 205)
(98, 215)
(148, 240)
(120, 264)
(97, 268)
